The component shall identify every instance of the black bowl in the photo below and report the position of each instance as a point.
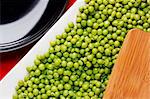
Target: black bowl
(11, 10)
(52, 13)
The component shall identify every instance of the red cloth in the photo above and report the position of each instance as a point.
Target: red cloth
(9, 60)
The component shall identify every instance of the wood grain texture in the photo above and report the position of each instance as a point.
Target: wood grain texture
(130, 78)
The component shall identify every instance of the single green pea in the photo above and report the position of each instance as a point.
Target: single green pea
(105, 32)
(105, 12)
(89, 23)
(42, 90)
(67, 29)
(146, 25)
(91, 9)
(79, 19)
(114, 35)
(87, 1)
(112, 1)
(65, 78)
(133, 10)
(114, 51)
(73, 77)
(57, 62)
(102, 42)
(84, 45)
(37, 62)
(30, 95)
(41, 67)
(44, 96)
(91, 93)
(79, 31)
(92, 2)
(99, 1)
(83, 16)
(54, 89)
(84, 23)
(20, 83)
(113, 14)
(59, 36)
(70, 64)
(97, 44)
(103, 17)
(101, 7)
(106, 23)
(118, 15)
(88, 78)
(116, 43)
(81, 9)
(97, 16)
(100, 61)
(15, 96)
(86, 11)
(67, 86)
(109, 11)
(115, 23)
(120, 38)
(143, 5)
(94, 50)
(65, 92)
(88, 64)
(95, 25)
(107, 52)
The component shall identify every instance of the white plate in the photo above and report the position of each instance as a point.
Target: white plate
(9, 82)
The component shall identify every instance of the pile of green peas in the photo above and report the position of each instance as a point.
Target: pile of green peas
(79, 62)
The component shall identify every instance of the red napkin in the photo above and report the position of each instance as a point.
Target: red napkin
(9, 60)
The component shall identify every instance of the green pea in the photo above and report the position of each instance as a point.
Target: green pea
(95, 25)
(107, 52)
(88, 64)
(67, 86)
(91, 8)
(87, 1)
(79, 19)
(106, 23)
(84, 45)
(30, 95)
(67, 29)
(79, 31)
(44, 96)
(105, 32)
(66, 78)
(65, 93)
(146, 25)
(101, 7)
(91, 93)
(83, 16)
(116, 43)
(70, 64)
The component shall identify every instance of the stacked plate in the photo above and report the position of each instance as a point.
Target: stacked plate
(23, 22)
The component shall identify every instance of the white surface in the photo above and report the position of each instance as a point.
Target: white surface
(8, 84)
(18, 29)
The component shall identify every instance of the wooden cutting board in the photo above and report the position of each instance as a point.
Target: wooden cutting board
(130, 78)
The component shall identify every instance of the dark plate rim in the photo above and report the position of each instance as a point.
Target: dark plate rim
(15, 45)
